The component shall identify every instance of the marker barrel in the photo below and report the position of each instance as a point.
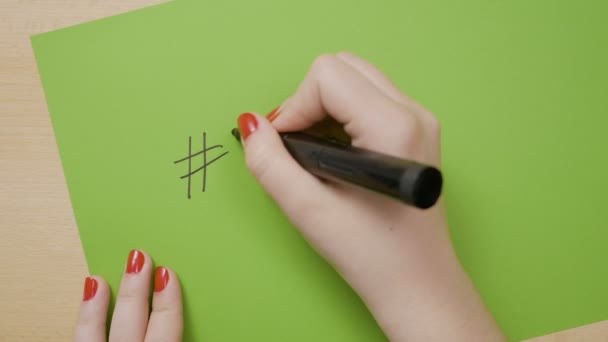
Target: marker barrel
(413, 183)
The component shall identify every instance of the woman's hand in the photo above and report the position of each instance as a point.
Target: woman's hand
(132, 320)
(399, 259)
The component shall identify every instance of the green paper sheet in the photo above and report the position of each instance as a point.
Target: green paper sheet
(518, 86)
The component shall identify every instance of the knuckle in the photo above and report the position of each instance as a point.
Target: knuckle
(167, 309)
(434, 125)
(323, 62)
(346, 54)
(127, 295)
(88, 322)
(407, 126)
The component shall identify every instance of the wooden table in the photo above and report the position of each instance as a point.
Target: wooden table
(42, 265)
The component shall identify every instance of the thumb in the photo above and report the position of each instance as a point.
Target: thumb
(296, 191)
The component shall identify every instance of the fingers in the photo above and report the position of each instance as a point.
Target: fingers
(130, 319)
(166, 322)
(334, 87)
(276, 170)
(91, 325)
(382, 82)
(376, 77)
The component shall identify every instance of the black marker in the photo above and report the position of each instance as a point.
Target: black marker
(413, 183)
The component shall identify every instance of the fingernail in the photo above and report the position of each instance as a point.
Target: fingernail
(161, 279)
(90, 288)
(135, 263)
(247, 124)
(274, 114)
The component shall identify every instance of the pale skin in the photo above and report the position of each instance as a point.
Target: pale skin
(398, 259)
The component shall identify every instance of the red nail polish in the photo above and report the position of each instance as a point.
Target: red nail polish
(161, 279)
(90, 288)
(273, 115)
(247, 124)
(136, 260)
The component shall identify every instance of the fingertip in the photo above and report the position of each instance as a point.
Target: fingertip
(248, 124)
(138, 261)
(93, 310)
(166, 280)
(102, 283)
(162, 275)
(263, 147)
(347, 54)
(273, 114)
(95, 287)
(90, 289)
(166, 319)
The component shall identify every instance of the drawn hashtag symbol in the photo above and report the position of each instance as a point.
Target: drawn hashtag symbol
(203, 168)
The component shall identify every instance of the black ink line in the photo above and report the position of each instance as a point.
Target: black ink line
(204, 166)
(204, 160)
(189, 163)
(197, 153)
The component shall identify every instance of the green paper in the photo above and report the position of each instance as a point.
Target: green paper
(519, 88)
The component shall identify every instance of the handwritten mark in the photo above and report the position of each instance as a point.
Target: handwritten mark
(205, 162)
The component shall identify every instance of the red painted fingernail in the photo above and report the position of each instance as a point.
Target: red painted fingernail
(247, 124)
(90, 288)
(161, 279)
(136, 260)
(273, 115)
